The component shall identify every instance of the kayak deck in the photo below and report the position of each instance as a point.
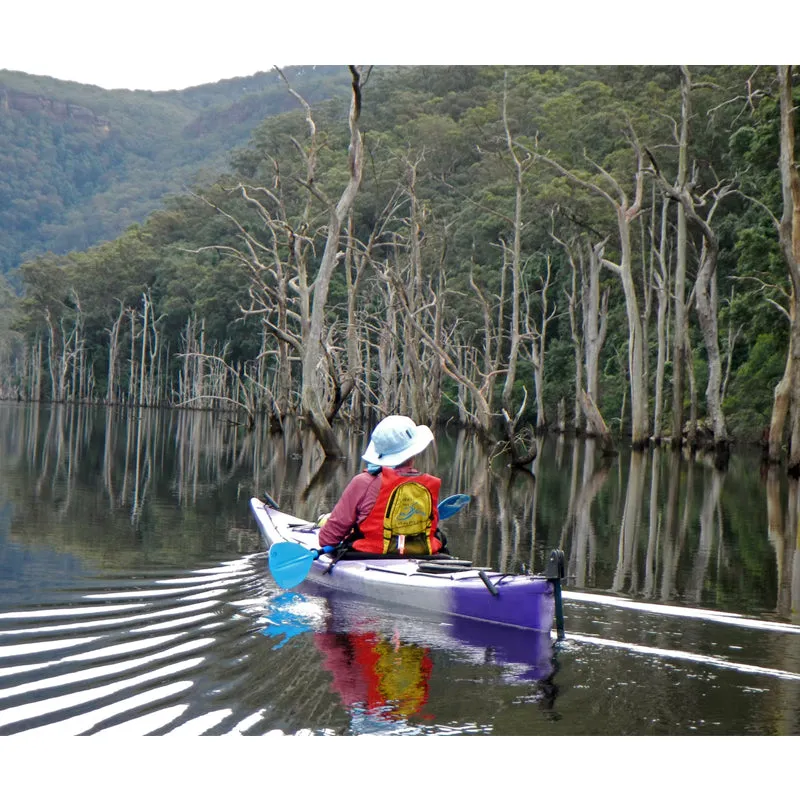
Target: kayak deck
(523, 601)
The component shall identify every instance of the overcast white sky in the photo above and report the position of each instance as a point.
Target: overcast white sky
(172, 44)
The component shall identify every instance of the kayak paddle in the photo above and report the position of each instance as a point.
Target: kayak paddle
(451, 505)
(290, 562)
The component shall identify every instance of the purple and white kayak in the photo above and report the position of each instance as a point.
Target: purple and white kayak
(439, 585)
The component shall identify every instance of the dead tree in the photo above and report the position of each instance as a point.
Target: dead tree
(64, 343)
(660, 282)
(513, 256)
(315, 393)
(705, 294)
(112, 395)
(291, 303)
(690, 203)
(626, 211)
(681, 180)
(535, 337)
(789, 237)
(459, 363)
(422, 273)
(586, 262)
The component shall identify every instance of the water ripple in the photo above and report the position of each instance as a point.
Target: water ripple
(91, 664)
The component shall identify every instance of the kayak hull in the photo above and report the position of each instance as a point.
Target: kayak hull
(521, 601)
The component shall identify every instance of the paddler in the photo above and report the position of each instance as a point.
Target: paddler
(390, 507)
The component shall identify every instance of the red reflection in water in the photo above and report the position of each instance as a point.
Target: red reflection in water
(390, 679)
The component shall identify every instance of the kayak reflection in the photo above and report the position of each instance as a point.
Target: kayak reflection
(381, 664)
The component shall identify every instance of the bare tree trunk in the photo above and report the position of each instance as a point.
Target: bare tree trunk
(691, 432)
(636, 361)
(145, 319)
(51, 355)
(590, 335)
(536, 337)
(491, 334)
(413, 383)
(707, 311)
(353, 273)
(314, 389)
(113, 346)
(780, 408)
(661, 279)
(678, 351)
(707, 305)
(577, 346)
(154, 357)
(596, 425)
(387, 355)
(626, 213)
(77, 368)
(515, 261)
(595, 320)
(37, 371)
(132, 373)
(789, 236)
(434, 369)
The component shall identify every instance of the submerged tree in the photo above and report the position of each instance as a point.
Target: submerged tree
(286, 292)
(319, 400)
(626, 210)
(690, 203)
(789, 236)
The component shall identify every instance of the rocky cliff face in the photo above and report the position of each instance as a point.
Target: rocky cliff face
(14, 100)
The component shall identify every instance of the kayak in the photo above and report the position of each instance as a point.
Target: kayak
(438, 584)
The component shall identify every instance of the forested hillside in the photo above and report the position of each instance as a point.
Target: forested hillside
(79, 164)
(597, 248)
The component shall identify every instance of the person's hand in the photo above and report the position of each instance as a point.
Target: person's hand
(322, 519)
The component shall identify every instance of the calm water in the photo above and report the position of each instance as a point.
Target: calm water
(135, 595)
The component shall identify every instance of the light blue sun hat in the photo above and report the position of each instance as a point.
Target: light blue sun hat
(395, 440)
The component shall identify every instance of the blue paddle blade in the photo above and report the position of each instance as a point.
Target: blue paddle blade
(289, 563)
(451, 505)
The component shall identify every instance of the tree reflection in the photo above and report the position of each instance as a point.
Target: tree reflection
(579, 528)
(676, 523)
(654, 528)
(709, 515)
(651, 525)
(627, 567)
(784, 536)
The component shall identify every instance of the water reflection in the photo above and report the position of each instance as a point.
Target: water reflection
(380, 664)
(648, 525)
(784, 535)
(380, 681)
